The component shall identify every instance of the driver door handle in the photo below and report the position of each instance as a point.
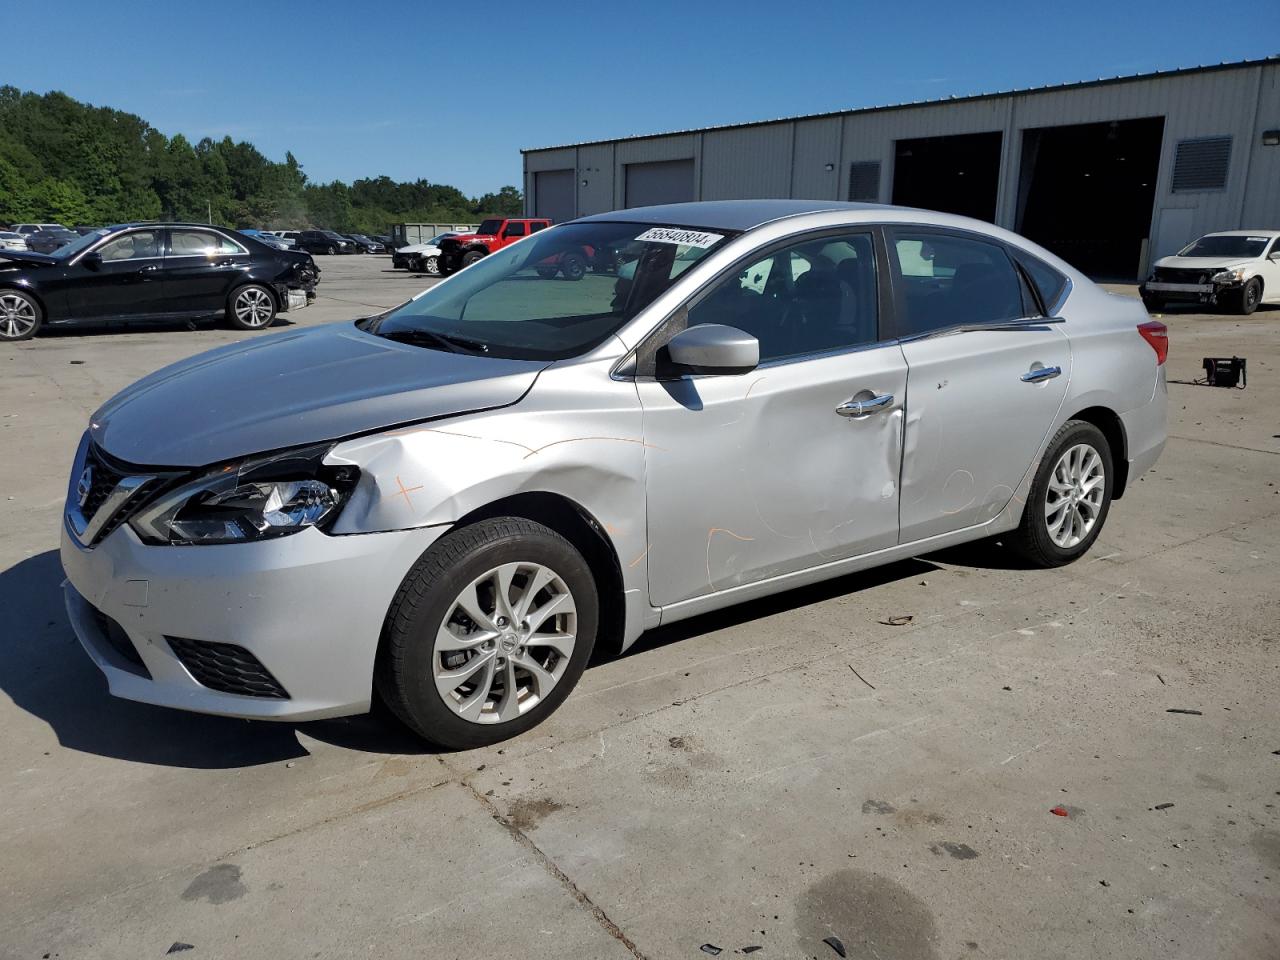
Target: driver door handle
(860, 408)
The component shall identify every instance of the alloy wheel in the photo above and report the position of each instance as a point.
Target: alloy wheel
(17, 316)
(253, 307)
(505, 643)
(1073, 500)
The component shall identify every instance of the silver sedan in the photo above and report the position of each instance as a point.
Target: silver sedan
(449, 505)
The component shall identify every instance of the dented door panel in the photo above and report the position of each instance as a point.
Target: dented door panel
(973, 424)
(749, 477)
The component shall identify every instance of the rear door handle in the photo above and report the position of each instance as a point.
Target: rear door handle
(1041, 373)
(860, 408)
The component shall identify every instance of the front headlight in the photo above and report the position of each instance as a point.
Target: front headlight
(251, 500)
(1228, 276)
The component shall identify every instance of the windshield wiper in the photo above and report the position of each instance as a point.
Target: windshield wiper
(450, 342)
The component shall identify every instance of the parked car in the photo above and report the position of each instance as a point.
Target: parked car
(1235, 269)
(382, 238)
(420, 257)
(776, 393)
(10, 240)
(29, 228)
(270, 239)
(150, 271)
(82, 229)
(47, 241)
(324, 241)
(462, 250)
(364, 244)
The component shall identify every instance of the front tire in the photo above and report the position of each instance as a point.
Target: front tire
(1069, 499)
(488, 633)
(331, 250)
(20, 316)
(251, 307)
(1249, 297)
(1153, 304)
(431, 265)
(470, 257)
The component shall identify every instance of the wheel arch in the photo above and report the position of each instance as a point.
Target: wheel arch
(1112, 427)
(576, 524)
(27, 292)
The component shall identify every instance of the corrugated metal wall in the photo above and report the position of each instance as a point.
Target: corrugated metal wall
(790, 158)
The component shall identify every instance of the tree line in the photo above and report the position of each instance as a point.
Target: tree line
(74, 163)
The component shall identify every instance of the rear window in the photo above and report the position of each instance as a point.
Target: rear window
(1049, 283)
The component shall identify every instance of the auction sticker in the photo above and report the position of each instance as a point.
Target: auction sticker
(687, 238)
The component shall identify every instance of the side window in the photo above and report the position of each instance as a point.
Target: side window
(514, 229)
(538, 225)
(1047, 281)
(228, 246)
(949, 281)
(192, 243)
(135, 245)
(811, 297)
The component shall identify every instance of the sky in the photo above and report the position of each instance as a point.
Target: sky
(452, 92)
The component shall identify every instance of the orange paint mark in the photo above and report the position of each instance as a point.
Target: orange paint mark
(710, 536)
(636, 561)
(405, 491)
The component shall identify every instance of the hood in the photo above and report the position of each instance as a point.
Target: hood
(1203, 263)
(290, 389)
(468, 237)
(29, 257)
(419, 248)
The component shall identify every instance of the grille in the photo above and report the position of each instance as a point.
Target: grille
(120, 642)
(105, 478)
(227, 668)
(1177, 275)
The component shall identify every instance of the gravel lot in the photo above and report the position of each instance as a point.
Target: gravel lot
(731, 781)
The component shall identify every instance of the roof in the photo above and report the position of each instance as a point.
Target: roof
(728, 214)
(1244, 233)
(1075, 85)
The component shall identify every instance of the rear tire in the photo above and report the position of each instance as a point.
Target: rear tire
(1063, 515)
(450, 676)
(20, 316)
(573, 266)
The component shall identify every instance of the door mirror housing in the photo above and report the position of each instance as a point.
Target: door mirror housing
(713, 348)
(92, 260)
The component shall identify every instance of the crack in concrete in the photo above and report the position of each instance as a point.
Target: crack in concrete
(578, 894)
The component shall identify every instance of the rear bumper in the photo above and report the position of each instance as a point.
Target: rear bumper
(1146, 429)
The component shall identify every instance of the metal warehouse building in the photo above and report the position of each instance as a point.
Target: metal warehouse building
(1109, 174)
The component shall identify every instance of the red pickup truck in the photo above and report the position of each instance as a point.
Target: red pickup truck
(494, 234)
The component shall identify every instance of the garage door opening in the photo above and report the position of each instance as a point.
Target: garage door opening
(665, 181)
(1086, 192)
(553, 195)
(959, 174)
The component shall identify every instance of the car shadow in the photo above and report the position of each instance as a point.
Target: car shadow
(777, 603)
(44, 671)
(148, 326)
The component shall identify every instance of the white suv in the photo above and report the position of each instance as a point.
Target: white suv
(1238, 269)
(26, 228)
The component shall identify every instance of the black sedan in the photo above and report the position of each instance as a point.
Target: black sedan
(135, 272)
(365, 244)
(47, 241)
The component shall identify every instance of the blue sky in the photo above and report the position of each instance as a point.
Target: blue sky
(451, 92)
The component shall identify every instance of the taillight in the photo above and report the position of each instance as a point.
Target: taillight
(1156, 334)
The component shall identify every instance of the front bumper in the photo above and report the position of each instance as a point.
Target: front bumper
(309, 607)
(1173, 292)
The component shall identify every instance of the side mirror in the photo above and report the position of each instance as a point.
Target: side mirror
(92, 260)
(715, 349)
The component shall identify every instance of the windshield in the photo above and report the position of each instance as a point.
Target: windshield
(80, 243)
(489, 227)
(556, 294)
(1226, 246)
